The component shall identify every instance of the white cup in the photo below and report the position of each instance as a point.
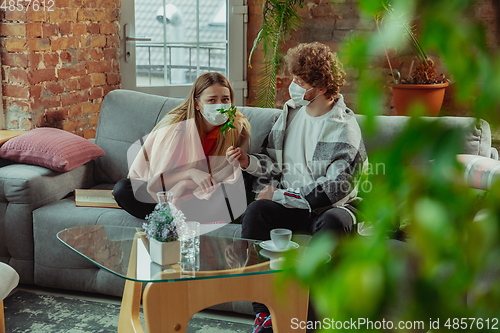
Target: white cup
(281, 238)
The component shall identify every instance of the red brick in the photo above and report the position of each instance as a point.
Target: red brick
(54, 87)
(15, 15)
(110, 4)
(70, 85)
(83, 55)
(113, 41)
(16, 75)
(36, 91)
(21, 104)
(89, 133)
(86, 41)
(64, 43)
(107, 89)
(56, 115)
(108, 29)
(66, 56)
(39, 44)
(95, 93)
(93, 120)
(93, 28)
(73, 98)
(75, 111)
(10, 90)
(15, 59)
(99, 66)
(13, 29)
(34, 30)
(76, 3)
(36, 60)
(113, 79)
(79, 29)
(87, 108)
(50, 59)
(62, 3)
(66, 28)
(82, 123)
(50, 30)
(98, 79)
(42, 75)
(110, 53)
(85, 82)
(51, 101)
(112, 15)
(68, 72)
(96, 54)
(62, 15)
(98, 41)
(37, 16)
(16, 44)
(70, 126)
(94, 15)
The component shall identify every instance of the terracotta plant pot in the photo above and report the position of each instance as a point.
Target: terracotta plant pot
(407, 95)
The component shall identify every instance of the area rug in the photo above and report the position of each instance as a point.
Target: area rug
(31, 312)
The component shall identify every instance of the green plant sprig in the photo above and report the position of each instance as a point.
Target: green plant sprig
(229, 125)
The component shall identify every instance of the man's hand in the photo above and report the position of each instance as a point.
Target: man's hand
(267, 193)
(236, 156)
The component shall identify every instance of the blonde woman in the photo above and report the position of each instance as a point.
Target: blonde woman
(188, 155)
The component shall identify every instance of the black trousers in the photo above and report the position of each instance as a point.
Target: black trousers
(140, 203)
(262, 216)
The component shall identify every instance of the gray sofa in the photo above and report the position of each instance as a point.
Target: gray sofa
(36, 203)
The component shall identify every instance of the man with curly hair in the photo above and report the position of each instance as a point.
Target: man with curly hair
(312, 160)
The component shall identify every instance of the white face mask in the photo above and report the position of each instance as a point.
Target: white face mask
(297, 94)
(213, 116)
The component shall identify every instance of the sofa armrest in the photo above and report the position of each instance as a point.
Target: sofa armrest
(479, 172)
(24, 188)
(494, 153)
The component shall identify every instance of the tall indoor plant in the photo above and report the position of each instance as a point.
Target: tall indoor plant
(279, 17)
(423, 85)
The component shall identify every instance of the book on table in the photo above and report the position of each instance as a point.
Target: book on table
(95, 198)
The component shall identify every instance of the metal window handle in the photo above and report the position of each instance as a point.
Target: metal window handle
(138, 39)
(131, 39)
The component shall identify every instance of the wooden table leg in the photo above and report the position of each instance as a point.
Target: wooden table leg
(168, 306)
(129, 321)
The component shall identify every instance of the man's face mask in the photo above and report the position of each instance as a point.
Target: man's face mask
(297, 94)
(213, 116)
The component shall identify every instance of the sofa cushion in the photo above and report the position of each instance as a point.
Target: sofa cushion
(480, 172)
(51, 148)
(261, 121)
(125, 117)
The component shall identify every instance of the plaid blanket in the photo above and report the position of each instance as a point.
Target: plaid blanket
(338, 162)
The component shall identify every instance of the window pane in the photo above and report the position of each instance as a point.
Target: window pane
(183, 45)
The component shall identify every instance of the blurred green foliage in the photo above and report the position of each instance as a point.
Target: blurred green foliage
(449, 267)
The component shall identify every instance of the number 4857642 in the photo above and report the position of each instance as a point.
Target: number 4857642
(21, 5)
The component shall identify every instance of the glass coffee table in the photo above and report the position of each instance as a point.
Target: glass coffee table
(220, 269)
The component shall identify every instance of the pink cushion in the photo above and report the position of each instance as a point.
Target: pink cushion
(51, 148)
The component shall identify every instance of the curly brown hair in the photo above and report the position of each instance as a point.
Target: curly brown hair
(317, 65)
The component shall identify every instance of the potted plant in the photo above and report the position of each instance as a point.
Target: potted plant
(423, 85)
(163, 227)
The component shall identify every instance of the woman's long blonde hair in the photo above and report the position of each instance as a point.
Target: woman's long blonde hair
(187, 110)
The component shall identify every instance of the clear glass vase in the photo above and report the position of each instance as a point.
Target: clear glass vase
(164, 200)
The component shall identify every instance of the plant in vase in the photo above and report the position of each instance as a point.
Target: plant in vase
(163, 228)
(422, 85)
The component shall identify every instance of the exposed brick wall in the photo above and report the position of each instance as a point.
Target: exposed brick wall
(58, 65)
(330, 22)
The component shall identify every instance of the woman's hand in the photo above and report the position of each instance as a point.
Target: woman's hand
(178, 190)
(237, 157)
(202, 179)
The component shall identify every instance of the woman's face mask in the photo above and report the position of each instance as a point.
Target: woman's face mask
(297, 94)
(213, 116)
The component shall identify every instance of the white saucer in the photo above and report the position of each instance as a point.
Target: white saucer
(269, 246)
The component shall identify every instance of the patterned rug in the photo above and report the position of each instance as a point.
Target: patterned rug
(40, 313)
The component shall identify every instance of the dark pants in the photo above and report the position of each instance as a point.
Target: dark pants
(139, 203)
(262, 216)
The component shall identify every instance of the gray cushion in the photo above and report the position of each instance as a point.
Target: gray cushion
(477, 132)
(261, 121)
